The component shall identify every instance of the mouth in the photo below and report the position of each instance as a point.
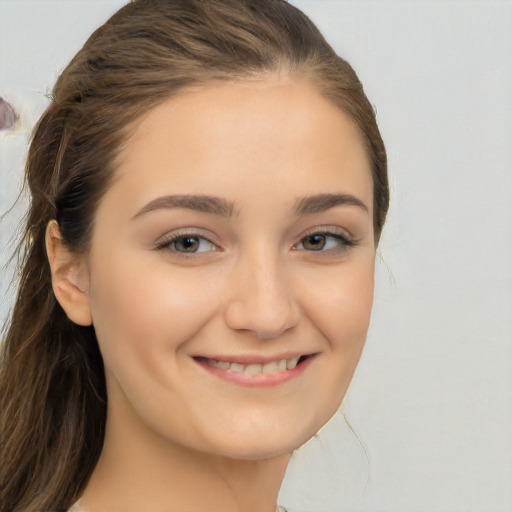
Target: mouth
(256, 373)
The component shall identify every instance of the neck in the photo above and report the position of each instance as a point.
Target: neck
(137, 470)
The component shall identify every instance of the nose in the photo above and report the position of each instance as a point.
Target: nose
(262, 301)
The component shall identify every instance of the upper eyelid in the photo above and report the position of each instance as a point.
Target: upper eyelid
(325, 230)
(164, 244)
(346, 238)
(191, 232)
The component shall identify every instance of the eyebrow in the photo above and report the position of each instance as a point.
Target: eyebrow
(199, 203)
(322, 202)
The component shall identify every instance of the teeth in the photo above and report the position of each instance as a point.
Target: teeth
(237, 368)
(256, 369)
(281, 366)
(270, 368)
(292, 363)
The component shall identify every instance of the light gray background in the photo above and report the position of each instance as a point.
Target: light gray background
(432, 399)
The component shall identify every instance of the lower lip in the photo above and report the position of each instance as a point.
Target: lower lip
(259, 380)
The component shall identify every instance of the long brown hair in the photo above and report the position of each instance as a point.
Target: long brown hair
(52, 385)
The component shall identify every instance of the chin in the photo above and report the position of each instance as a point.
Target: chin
(261, 451)
(259, 442)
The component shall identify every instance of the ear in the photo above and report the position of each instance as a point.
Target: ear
(70, 278)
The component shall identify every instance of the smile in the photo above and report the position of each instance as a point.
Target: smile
(255, 369)
(256, 374)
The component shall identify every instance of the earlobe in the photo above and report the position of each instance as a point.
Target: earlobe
(70, 280)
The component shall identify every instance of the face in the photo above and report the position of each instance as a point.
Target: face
(230, 276)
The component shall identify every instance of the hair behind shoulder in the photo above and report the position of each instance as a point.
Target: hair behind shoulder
(52, 384)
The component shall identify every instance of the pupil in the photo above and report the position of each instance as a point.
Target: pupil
(315, 242)
(187, 244)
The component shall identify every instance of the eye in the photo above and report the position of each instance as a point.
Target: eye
(187, 244)
(323, 242)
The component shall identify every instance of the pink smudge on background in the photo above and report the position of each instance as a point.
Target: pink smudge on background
(8, 116)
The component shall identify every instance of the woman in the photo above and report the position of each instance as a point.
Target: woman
(208, 189)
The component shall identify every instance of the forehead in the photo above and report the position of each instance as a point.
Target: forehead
(244, 138)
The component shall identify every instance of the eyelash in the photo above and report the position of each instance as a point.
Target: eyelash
(343, 242)
(168, 241)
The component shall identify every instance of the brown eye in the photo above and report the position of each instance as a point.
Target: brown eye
(187, 244)
(324, 242)
(314, 242)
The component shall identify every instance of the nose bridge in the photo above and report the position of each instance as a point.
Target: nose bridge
(262, 301)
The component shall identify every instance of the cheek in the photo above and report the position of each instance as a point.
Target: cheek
(343, 303)
(140, 311)
(346, 296)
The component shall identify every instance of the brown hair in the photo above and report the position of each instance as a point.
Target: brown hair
(53, 396)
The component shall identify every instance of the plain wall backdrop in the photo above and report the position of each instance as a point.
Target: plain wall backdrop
(431, 401)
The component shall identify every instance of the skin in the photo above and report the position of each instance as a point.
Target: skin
(178, 437)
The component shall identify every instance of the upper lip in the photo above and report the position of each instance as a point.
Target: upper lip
(246, 359)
